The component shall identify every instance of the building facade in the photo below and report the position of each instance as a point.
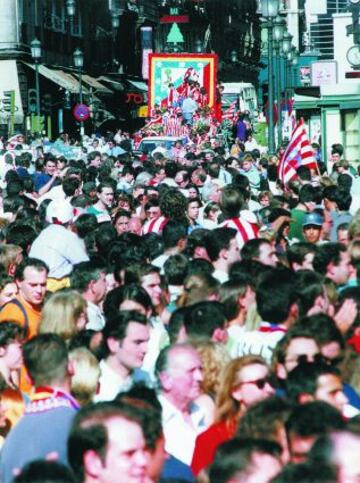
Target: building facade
(112, 53)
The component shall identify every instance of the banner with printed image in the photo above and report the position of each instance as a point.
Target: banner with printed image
(173, 77)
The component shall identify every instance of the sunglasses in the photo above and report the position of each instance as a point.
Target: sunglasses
(259, 383)
(305, 358)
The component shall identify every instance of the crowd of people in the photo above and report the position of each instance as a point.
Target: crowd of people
(178, 317)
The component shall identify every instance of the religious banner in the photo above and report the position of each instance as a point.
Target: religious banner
(174, 77)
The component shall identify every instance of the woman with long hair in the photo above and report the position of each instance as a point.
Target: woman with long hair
(64, 314)
(243, 383)
(214, 358)
(85, 379)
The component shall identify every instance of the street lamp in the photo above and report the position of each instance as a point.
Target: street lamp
(70, 8)
(294, 64)
(36, 55)
(198, 46)
(269, 10)
(286, 43)
(115, 23)
(79, 64)
(115, 20)
(292, 59)
(279, 30)
(233, 56)
(286, 48)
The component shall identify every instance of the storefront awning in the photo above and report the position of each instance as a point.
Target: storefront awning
(141, 86)
(9, 81)
(117, 85)
(96, 85)
(63, 79)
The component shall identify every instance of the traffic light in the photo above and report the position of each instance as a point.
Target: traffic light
(32, 101)
(46, 104)
(8, 101)
(67, 100)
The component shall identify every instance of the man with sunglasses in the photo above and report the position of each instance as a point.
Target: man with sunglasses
(297, 345)
(306, 343)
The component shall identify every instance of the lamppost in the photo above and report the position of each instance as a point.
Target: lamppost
(269, 10)
(233, 56)
(291, 57)
(70, 8)
(198, 46)
(286, 48)
(79, 63)
(115, 22)
(293, 67)
(36, 55)
(279, 30)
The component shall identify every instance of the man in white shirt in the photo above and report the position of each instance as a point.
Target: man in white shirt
(179, 371)
(126, 340)
(57, 245)
(89, 278)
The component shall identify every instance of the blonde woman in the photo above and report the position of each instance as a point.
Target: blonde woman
(243, 383)
(214, 358)
(64, 314)
(86, 375)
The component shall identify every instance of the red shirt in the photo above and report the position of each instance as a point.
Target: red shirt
(207, 443)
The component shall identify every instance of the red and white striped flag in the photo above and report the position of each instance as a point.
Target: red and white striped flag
(298, 153)
(230, 112)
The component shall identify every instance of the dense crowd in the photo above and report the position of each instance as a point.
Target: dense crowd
(180, 316)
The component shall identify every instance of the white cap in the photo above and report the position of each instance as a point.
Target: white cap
(59, 212)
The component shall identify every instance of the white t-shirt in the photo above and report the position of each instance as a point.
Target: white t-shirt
(180, 436)
(60, 249)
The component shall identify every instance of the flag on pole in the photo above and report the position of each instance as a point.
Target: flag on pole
(298, 153)
(230, 112)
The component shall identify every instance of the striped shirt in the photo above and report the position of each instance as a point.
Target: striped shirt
(246, 231)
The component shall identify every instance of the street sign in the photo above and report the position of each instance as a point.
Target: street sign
(81, 112)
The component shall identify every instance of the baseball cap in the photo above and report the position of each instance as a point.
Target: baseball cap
(313, 219)
(59, 212)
